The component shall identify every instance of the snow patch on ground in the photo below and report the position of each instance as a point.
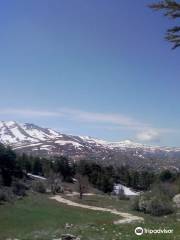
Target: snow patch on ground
(127, 191)
(36, 176)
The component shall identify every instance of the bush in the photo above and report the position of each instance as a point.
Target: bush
(153, 203)
(121, 194)
(3, 196)
(19, 188)
(135, 203)
(6, 195)
(55, 183)
(167, 176)
(168, 189)
(39, 186)
(159, 207)
(55, 188)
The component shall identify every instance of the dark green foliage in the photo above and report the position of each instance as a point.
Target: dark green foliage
(104, 177)
(7, 164)
(160, 207)
(167, 176)
(106, 184)
(171, 9)
(39, 186)
(135, 203)
(37, 168)
(168, 189)
(25, 162)
(139, 180)
(123, 175)
(156, 202)
(63, 166)
(19, 188)
(101, 177)
(3, 196)
(6, 195)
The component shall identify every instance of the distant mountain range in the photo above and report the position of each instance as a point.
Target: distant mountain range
(36, 140)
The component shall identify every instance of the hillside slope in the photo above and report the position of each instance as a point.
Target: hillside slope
(32, 139)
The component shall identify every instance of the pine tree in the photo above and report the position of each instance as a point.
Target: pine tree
(7, 164)
(172, 10)
(37, 167)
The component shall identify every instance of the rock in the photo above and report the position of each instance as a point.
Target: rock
(69, 237)
(67, 225)
(176, 200)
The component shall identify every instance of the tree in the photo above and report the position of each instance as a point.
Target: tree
(172, 10)
(106, 183)
(24, 162)
(63, 166)
(121, 194)
(37, 167)
(166, 176)
(7, 164)
(55, 182)
(82, 184)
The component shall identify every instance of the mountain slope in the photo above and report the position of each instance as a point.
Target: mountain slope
(36, 140)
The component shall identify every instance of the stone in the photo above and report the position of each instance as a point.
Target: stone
(68, 237)
(176, 200)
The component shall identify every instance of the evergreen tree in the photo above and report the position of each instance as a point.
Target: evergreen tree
(7, 164)
(63, 166)
(37, 167)
(172, 10)
(166, 176)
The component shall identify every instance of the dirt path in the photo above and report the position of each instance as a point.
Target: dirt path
(77, 194)
(127, 217)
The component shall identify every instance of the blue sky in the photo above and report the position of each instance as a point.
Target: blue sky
(94, 67)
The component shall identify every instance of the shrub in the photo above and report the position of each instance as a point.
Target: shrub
(3, 196)
(167, 176)
(121, 194)
(19, 188)
(39, 186)
(6, 195)
(55, 183)
(168, 189)
(153, 203)
(135, 203)
(159, 207)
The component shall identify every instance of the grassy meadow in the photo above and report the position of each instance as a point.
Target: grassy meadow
(37, 217)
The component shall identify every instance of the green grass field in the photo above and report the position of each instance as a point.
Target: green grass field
(38, 217)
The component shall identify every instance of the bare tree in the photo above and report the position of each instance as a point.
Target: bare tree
(83, 184)
(171, 9)
(55, 182)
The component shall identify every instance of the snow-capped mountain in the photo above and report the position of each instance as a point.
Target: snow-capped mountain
(36, 140)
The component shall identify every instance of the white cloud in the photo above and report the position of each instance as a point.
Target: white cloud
(106, 118)
(143, 131)
(149, 135)
(79, 115)
(29, 113)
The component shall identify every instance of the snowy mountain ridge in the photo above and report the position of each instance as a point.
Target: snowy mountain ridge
(32, 139)
(15, 134)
